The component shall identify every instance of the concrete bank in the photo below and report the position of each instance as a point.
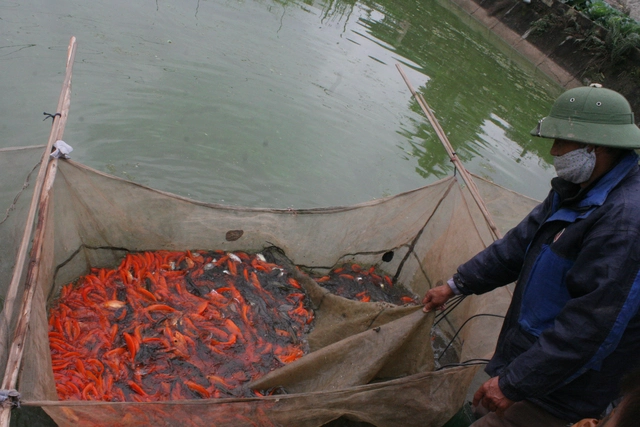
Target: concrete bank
(560, 42)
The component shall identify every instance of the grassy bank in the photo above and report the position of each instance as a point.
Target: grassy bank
(623, 32)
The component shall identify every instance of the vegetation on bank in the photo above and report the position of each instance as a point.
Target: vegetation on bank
(623, 32)
(589, 39)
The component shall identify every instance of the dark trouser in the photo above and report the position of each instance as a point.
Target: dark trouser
(520, 414)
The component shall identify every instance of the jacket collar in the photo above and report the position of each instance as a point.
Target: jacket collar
(597, 194)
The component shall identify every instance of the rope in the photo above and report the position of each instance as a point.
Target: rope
(10, 398)
(15, 200)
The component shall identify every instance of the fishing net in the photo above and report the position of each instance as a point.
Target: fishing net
(368, 361)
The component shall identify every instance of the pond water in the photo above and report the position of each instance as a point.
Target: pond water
(274, 103)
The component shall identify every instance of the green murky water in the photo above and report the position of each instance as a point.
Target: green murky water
(273, 103)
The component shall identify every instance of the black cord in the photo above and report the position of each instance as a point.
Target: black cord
(460, 328)
(52, 116)
(469, 362)
(454, 302)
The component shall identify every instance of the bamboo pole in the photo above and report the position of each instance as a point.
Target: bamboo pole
(40, 203)
(16, 350)
(473, 189)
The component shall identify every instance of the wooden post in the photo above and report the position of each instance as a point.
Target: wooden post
(473, 189)
(40, 203)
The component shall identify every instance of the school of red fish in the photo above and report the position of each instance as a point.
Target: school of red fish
(176, 325)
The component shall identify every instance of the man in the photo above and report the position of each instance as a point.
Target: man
(572, 329)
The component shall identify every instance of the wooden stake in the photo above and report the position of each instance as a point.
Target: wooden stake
(473, 189)
(40, 203)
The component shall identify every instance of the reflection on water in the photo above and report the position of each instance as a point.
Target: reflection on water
(273, 103)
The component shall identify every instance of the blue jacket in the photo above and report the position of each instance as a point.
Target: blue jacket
(573, 328)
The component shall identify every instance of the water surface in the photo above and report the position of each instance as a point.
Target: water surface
(272, 103)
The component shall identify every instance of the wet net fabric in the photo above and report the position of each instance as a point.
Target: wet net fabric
(19, 168)
(369, 362)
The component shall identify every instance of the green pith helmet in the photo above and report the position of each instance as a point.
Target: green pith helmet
(593, 115)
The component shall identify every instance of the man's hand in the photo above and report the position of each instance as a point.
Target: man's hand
(437, 297)
(491, 397)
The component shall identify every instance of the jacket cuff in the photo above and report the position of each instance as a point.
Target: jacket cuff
(510, 392)
(453, 286)
(459, 283)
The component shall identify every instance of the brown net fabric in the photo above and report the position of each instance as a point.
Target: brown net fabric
(369, 362)
(18, 169)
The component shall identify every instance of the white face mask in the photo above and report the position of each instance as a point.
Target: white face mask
(575, 166)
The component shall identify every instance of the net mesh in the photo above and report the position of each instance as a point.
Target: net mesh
(369, 362)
